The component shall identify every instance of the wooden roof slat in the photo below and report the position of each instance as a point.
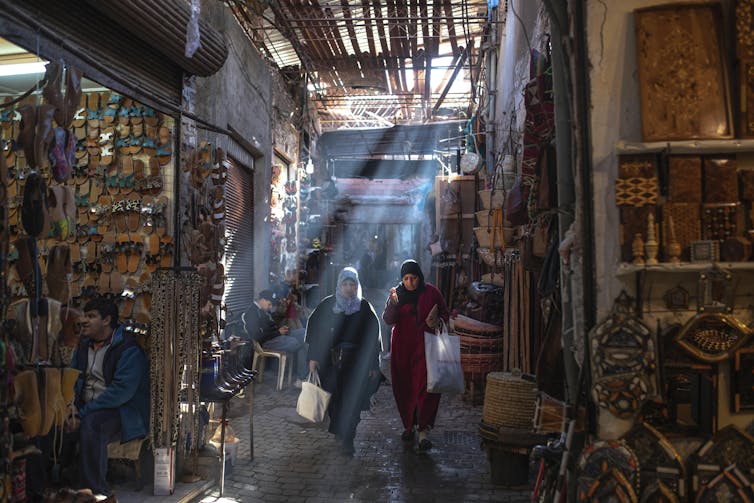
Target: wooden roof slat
(436, 4)
(303, 31)
(368, 25)
(349, 26)
(335, 30)
(413, 26)
(449, 84)
(451, 26)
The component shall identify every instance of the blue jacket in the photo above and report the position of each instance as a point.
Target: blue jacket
(126, 371)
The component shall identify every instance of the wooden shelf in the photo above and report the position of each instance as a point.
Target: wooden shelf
(685, 147)
(625, 269)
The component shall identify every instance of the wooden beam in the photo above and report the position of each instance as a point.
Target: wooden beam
(451, 26)
(445, 91)
(349, 26)
(365, 13)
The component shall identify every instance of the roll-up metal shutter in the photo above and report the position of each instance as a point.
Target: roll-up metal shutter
(107, 52)
(239, 248)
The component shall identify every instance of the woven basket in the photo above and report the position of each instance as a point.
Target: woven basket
(497, 200)
(509, 401)
(502, 236)
(466, 325)
(491, 258)
(475, 344)
(476, 366)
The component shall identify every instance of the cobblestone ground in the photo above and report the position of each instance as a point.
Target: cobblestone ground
(297, 461)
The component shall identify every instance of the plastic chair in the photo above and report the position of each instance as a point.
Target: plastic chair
(259, 356)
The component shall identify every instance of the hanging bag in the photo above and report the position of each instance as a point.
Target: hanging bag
(443, 355)
(313, 400)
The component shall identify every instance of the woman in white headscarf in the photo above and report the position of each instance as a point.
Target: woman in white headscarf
(343, 334)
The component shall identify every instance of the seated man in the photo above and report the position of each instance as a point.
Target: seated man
(259, 327)
(112, 391)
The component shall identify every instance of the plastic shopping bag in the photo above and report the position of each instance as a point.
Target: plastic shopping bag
(313, 400)
(443, 355)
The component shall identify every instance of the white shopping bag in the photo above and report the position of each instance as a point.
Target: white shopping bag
(313, 400)
(443, 355)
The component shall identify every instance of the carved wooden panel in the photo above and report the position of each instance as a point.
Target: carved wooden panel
(686, 225)
(721, 221)
(746, 179)
(684, 179)
(746, 86)
(720, 180)
(683, 79)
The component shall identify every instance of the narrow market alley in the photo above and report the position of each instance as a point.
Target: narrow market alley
(298, 461)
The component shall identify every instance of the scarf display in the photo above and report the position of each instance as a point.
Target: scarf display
(343, 304)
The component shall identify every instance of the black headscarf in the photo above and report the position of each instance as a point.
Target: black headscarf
(404, 296)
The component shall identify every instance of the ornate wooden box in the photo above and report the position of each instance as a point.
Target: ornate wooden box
(720, 180)
(684, 179)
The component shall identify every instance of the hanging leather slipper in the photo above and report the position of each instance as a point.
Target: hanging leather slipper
(34, 205)
(74, 252)
(107, 253)
(218, 286)
(117, 283)
(133, 214)
(218, 205)
(59, 273)
(166, 251)
(152, 258)
(128, 298)
(135, 250)
(121, 250)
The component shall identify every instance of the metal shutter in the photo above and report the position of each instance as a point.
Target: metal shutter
(239, 235)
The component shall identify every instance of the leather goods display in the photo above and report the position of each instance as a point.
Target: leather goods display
(686, 225)
(683, 80)
(720, 180)
(684, 179)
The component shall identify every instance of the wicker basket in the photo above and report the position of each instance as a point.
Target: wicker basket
(491, 258)
(472, 344)
(484, 236)
(476, 366)
(497, 200)
(509, 401)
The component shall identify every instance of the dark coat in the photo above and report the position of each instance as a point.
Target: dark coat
(358, 335)
(126, 371)
(258, 324)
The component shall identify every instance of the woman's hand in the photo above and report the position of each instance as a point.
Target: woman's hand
(393, 296)
(313, 365)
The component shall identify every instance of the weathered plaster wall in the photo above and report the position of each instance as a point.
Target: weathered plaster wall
(239, 95)
(516, 38)
(615, 115)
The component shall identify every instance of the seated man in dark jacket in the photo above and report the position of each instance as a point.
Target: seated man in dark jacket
(259, 327)
(112, 391)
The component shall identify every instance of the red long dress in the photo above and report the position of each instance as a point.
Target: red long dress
(408, 367)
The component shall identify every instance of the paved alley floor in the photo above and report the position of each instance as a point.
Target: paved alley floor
(298, 461)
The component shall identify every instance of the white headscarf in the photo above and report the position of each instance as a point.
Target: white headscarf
(344, 304)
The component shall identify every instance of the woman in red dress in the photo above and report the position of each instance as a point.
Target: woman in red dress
(408, 309)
